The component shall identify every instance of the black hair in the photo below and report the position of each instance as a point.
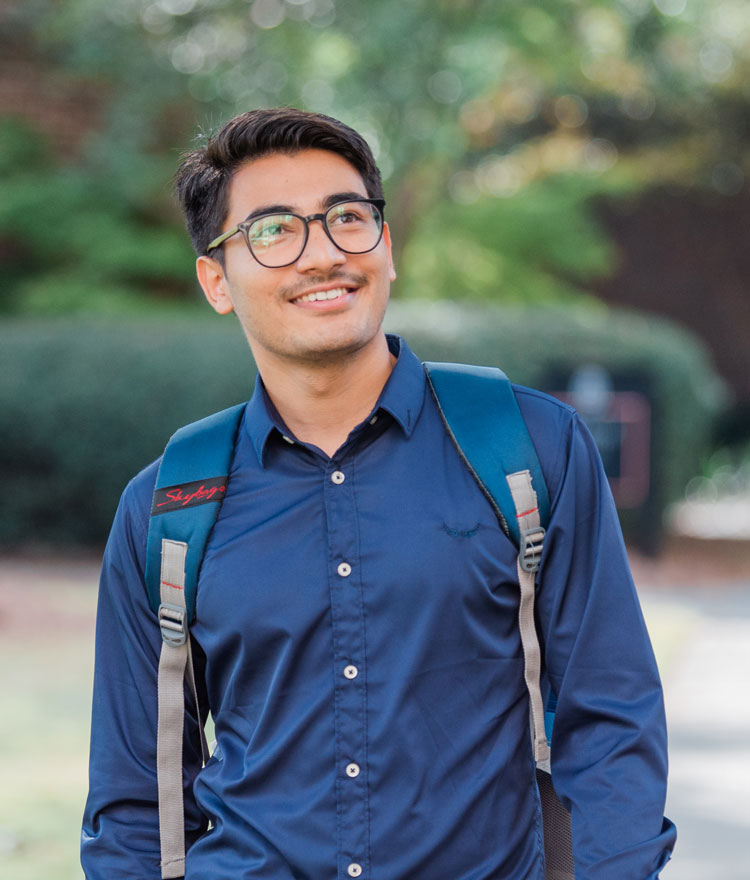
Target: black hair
(203, 178)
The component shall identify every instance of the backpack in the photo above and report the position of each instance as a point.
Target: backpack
(481, 414)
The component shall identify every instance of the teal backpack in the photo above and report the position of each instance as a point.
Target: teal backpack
(481, 414)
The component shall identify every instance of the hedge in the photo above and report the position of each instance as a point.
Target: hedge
(84, 405)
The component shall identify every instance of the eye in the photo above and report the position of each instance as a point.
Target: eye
(270, 230)
(349, 213)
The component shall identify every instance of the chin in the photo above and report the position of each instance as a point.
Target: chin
(345, 343)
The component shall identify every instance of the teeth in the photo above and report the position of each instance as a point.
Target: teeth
(320, 295)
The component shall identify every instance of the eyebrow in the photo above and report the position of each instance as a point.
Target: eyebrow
(328, 201)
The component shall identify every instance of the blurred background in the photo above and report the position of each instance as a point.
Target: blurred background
(568, 190)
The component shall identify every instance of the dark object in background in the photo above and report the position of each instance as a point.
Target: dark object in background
(617, 408)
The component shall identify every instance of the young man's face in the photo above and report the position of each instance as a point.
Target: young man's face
(279, 320)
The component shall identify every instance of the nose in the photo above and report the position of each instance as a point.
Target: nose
(320, 252)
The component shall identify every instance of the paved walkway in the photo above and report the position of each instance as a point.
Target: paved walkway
(701, 632)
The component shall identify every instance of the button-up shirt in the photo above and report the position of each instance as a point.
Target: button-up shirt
(357, 644)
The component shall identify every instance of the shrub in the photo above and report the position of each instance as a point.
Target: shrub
(85, 405)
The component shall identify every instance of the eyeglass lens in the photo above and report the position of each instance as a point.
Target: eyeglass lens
(278, 239)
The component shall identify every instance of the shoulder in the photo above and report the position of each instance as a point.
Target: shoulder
(135, 506)
(124, 561)
(542, 411)
(552, 426)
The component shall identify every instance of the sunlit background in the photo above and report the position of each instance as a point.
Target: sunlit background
(568, 192)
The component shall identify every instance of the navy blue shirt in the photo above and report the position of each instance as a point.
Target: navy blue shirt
(356, 629)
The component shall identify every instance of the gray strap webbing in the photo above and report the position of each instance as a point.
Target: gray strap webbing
(175, 650)
(530, 551)
(558, 850)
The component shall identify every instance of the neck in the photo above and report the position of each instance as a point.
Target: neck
(321, 402)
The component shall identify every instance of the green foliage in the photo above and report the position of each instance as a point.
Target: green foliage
(531, 247)
(519, 113)
(87, 404)
(73, 238)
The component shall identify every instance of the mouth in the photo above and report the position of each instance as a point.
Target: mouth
(330, 296)
(322, 295)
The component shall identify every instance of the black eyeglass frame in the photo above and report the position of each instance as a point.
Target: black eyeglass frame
(244, 228)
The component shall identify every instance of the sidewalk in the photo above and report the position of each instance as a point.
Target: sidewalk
(698, 611)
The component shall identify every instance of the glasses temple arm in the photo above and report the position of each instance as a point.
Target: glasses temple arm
(222, 238)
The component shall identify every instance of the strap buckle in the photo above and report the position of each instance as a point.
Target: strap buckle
(532, 544)
(173, 624)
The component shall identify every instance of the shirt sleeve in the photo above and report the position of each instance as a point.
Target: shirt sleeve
(609, 743)
(120, 834)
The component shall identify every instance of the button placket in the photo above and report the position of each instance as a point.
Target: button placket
(350, 707)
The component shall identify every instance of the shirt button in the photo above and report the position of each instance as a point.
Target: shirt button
(337, 477)
(352, 770)
(288, 439)
(344, 569)
(351, 671)
(354, 870)
(373, 420)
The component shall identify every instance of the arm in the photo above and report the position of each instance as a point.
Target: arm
(120, 836)
(609, 748)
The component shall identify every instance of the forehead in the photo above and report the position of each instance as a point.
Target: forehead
(299, 180)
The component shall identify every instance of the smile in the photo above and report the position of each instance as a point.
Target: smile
(321, 295)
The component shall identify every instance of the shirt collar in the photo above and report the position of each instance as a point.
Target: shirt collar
(402, 396)
(259, 423)
(403, 393)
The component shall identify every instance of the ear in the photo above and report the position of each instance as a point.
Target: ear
(387, 240)
(215, 286)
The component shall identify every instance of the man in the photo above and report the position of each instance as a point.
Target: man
(356, 633)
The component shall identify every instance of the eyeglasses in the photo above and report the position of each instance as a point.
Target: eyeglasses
(277, 240)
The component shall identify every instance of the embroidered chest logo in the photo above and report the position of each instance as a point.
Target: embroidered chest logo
(460, 533)
(189, 494)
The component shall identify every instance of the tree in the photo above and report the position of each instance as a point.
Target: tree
(495, 124)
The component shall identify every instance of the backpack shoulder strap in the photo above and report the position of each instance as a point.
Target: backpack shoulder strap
(481, 414)
(190, 487)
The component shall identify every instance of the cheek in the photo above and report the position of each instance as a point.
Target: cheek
(259, 309)
(246, 292)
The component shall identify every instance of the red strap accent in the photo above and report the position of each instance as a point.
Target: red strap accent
(527, 512)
